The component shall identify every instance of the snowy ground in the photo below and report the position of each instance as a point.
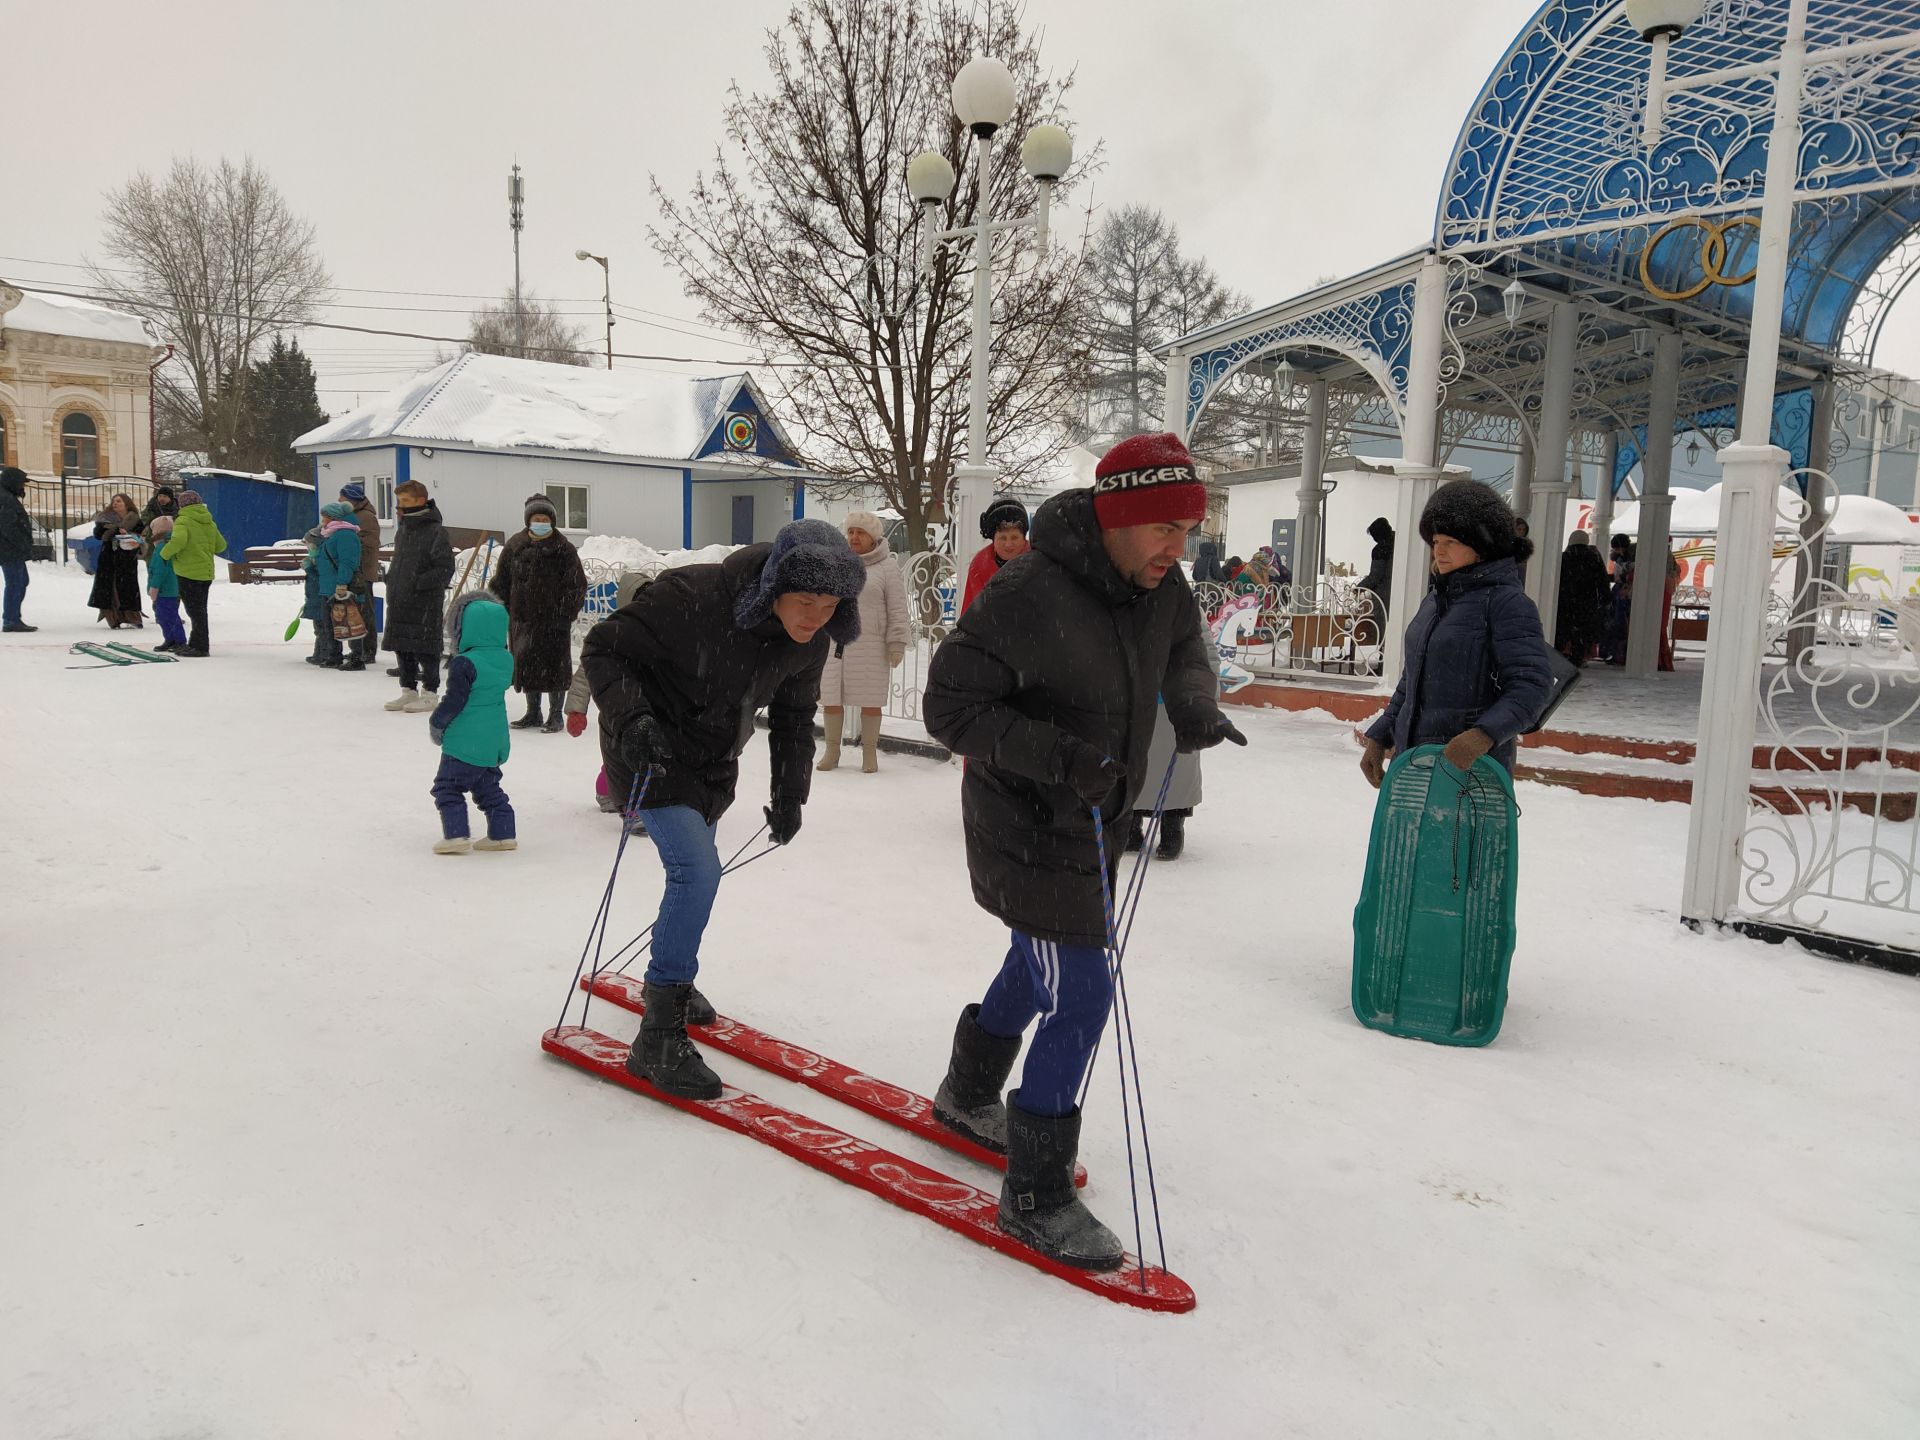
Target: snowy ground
(285, 1159)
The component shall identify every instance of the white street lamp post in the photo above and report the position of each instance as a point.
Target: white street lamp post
(983, 99)
(606, 294)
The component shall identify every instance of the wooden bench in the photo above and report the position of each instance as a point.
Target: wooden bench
(269, 564)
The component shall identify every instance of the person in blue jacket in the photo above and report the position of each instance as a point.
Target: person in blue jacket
(334, 565)
(470, 726)
(1477, 672)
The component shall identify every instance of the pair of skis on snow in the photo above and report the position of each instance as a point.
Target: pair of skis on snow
(117, 654)
(954, 1204)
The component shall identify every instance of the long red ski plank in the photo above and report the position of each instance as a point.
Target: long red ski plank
(878, 1098)
(894, 1178)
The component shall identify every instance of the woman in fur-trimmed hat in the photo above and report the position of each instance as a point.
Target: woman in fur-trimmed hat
(540, 580)
(1476, 674)
(860, 676)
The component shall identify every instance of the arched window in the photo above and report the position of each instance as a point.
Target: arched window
(79, 447)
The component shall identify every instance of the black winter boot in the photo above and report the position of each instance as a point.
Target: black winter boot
(1038, 1204)
(700, 1010)
(532, 717)
(662, 1054)
(968, 1100)
(1137, 832)
(1173, 835)
(556, 722)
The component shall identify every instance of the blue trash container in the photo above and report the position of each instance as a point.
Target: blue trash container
(87, 552)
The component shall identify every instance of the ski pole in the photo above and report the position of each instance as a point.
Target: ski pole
(635, 794)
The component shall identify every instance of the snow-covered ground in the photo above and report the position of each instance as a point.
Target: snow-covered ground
(284, 1158)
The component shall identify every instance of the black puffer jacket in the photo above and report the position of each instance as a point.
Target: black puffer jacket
(16, 526)
(1061, 644)
(1475, 658)
(676, 653)
(417, 580)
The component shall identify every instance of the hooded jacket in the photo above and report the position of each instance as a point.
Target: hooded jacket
(196, 540)
(1060, 646)
(16, 526)
(338, 559)
(1475, 657)
(368, 520)
(700, 652)
(417, 581)
(471, 718)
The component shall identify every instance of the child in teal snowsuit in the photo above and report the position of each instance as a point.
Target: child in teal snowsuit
(470, 726)
(163, 587)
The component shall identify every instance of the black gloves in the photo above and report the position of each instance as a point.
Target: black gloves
(783, 820)
(644, 744)
(1092, 776)
(1206, 735)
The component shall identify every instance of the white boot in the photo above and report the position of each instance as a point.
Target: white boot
(491, 844)
(834, 724)
(427, 700)
(457, 846)
(402, 700)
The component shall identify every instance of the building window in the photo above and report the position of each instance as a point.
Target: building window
(79, 447)
(570, 501)
(383, 496)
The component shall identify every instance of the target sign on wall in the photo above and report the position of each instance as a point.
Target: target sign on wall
(741, 432)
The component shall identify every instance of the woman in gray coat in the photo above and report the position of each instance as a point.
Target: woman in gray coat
(858, 675)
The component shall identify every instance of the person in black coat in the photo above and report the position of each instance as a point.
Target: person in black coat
(417, 581)
(1477, 672)
(16, 547)
(1579, 621)
(1048, 687)
(116, 592)
(543, 585)
(1377, 582)
(678, 674)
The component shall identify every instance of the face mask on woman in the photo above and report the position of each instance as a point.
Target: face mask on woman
(541, 528)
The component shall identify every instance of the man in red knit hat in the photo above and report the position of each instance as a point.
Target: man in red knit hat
(1048, 686)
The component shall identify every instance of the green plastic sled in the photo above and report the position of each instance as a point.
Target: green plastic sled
(1433, 932)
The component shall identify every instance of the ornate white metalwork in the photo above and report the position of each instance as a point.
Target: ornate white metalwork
(1328, 626)
(933, 604)
(1832, 843)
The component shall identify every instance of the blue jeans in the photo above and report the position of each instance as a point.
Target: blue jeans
(1069, 989)
(16, 579)
(450, 786)
(684, 839)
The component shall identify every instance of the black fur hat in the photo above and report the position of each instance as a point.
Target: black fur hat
(811, 557)
(1475, 515)
(1004, 511)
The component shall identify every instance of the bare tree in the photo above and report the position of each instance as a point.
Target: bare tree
(496, 331)
(1144, 293)
(805, 238)
(218, 264)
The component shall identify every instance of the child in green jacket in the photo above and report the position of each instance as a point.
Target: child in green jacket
(470, 726)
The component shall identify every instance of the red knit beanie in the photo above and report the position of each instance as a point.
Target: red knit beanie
(1147, 480)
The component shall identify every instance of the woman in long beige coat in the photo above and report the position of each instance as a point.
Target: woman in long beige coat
(859, 678)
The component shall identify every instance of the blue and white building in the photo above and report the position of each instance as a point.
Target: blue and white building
(675, 462)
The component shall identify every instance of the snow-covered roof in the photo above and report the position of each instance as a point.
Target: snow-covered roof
(187, 474)
(47, 314)
(497, 403)
(1857, 519)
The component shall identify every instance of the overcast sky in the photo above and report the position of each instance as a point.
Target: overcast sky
(1288, 140)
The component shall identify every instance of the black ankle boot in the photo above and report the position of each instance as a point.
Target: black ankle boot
(662, 1054)
(556, 721)
(1173, 835)
(532, 717)
(968, 1100)
(700, 1010)
(1038, 1204)
(1137, 833)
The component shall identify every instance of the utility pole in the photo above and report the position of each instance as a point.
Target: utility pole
(516, 210)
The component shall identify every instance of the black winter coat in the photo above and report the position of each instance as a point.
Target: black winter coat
(116, 575)
(543, 587)
(1580, 620)
(1475, 657)
(16, 526)
(417, 581)
(1379, 576)
(1061, 644)
(676, 653)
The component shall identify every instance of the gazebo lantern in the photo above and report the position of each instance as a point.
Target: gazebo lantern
(1660, 23)
(1513, 299)
(1885, 411)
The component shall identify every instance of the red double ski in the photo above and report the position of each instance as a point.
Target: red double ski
(877, 1098)
(894, 1178)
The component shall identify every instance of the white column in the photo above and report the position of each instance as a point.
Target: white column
(1420, 437)
(1547, 516)
(1521, 501)
(1313, 457)
(1602, 521)
(1174, 413)
(1655, 539)
(973, 482)
(1752, 469)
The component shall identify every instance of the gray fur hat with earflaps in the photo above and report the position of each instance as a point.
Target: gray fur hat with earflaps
(809, 557)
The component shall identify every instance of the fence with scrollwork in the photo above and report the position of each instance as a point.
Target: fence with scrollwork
(933, 604)
(1330, 626)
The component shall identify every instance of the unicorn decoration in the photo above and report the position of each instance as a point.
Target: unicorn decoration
(1229, 629)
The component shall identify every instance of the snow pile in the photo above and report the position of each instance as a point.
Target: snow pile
(48, 314)
(495, 403)
(631, 554)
